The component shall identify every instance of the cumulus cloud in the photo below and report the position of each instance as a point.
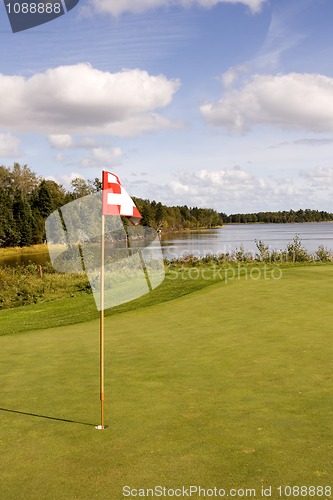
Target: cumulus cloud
(295, 100)
(61, 141)
(80, 99)
(9, 146)
(237, 190)
(117, 7)
(100, 157)
(66, 141)
(203, 186)
(229, 78)
(320, 176)
(66, 179)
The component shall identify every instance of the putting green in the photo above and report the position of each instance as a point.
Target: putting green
(230, 386)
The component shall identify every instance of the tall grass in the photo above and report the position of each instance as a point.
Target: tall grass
(5, 252)
(21, 285)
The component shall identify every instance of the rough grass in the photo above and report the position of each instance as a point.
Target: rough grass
(33, 249)
(229, 386)
(23, 285)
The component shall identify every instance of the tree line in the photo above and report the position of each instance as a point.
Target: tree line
(26, 200)
(176, 218)
(306, 215)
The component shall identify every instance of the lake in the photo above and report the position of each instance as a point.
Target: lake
(228, 238)
(35, 258)
(225, 239)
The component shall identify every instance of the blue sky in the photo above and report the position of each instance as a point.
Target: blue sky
(214, 103)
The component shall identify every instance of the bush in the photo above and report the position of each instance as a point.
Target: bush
(296, 252)
(264, 254)
(324, 254)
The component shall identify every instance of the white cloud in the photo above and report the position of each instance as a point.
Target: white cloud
(324, 141)
(302, 101)
(205, 186)
(229, 78)
(80, 99)
(233, 190)
(60, 141)
(66, 179)
(320, 176)
(117, 7)
(66, 141)
(59, 157)
(314, 141)
(9, 146)
(103, 158)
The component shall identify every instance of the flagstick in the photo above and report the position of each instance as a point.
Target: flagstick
(101, 327)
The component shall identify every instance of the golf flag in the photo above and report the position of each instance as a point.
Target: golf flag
(116, 201)
(129, 262)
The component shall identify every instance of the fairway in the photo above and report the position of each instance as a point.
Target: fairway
(229, 386)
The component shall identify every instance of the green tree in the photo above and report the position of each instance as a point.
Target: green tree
(24, 180)
(24, 221)
(80, 188)
(8, 231)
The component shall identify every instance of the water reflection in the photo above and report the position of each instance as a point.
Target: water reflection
(23, 260)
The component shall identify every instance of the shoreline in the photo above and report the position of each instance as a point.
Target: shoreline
(42, 248)
(275, 223)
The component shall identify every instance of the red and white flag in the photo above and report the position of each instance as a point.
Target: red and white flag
(116, 201)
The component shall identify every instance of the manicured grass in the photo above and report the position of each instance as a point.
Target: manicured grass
(229, 386)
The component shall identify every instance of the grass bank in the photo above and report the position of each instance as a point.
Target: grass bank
(23, 284)
(229, 386)
(33, 249)
(75, 303)
(30, 284)
(62, 299)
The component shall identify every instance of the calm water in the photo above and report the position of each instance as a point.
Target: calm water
(13, 260)
(226, 239)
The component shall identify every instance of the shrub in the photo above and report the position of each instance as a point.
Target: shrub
(296, 252)
(264, 254)
(324, 254)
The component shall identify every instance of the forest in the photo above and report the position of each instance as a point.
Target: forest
(27, 199)
(301, 215)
